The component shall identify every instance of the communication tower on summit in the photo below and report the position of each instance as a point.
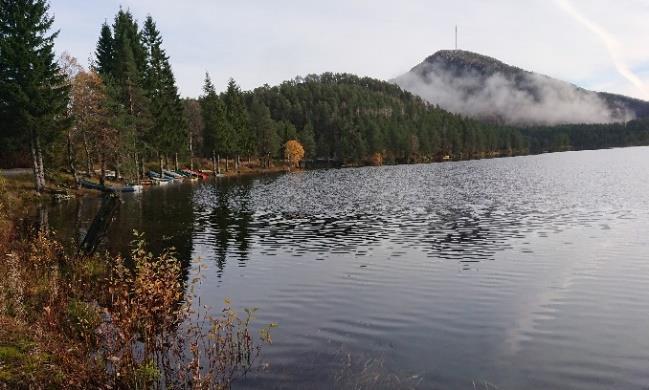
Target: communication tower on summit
(456, 37)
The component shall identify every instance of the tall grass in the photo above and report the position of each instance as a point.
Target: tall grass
(114, 322)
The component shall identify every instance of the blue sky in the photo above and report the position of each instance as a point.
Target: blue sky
(259, 42)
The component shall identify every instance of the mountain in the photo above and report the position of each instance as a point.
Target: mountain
(485, 88)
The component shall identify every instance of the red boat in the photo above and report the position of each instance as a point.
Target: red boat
(196, 173)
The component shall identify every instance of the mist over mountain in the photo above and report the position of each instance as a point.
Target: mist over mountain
(485, 88)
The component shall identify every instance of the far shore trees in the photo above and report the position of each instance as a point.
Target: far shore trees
(33, 90)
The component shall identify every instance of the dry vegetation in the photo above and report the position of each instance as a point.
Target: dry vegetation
(110, 322)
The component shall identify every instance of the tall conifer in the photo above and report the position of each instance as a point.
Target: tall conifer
(168, 132)
(215, 126)
(33, 90)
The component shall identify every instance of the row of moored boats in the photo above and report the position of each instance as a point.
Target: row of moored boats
(155, 178)
(168, 176)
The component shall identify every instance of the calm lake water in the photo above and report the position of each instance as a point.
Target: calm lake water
(515, 273)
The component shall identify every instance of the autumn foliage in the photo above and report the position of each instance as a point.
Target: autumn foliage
(377, 159)
(294, 153)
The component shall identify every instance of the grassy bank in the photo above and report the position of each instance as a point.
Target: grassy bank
(69, 321)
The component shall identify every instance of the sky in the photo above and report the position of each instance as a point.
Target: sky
(596, 44)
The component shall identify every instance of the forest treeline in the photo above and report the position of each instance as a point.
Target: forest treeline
(587, 137)
(124, 113)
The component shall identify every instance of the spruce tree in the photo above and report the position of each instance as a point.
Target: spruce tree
(33, 90)
(307, 139)
(215, 126)
(105, 52)
(239, 139)
(168, 132)
(121, 60)
(264, 130)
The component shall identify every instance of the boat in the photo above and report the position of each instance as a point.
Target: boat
(173, 174)
(131, 188)
(196, 174)
(156, 176)
(105, 188)
(92, 186)
(159, 182)
(212, 173)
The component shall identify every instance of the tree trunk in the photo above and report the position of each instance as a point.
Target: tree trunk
(44, 220)
(176, 161)
(89, 170)
(215, 168)
(137, 167)
(142, 167)
(218, 164)
(102, 177)
(35, 164)
(71, 160)
(118, 173)
(237, 163)
(191, 152)
(161, 166)
(227, 164)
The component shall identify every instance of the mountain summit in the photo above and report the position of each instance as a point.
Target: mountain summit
(483, 87)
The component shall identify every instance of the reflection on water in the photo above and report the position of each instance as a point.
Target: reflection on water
(524, 272)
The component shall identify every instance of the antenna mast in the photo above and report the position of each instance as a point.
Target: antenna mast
(456, 37)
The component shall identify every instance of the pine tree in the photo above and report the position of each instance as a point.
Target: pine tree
(194, 118)
(169, 130)
(126, 31)
(307, 139)
(215, 124)
(33, 91)
(121, 63)
(239, 140)
(264, 130)
(105, 52)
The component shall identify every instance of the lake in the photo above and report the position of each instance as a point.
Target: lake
(514, 273)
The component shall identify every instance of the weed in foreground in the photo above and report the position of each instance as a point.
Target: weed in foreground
(117, 322)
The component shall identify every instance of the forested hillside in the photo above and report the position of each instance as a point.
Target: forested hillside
(348, 118)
